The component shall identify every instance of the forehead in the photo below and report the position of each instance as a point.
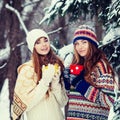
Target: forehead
(81, 40)
(41, 38)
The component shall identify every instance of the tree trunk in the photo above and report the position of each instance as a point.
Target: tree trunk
(63, 32)
(10, 31)
(98, 28)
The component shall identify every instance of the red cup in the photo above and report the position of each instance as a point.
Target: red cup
(75, 69)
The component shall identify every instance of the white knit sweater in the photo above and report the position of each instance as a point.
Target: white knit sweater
(38, 106)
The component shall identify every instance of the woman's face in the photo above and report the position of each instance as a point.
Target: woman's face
(82, 47)
(42, 46)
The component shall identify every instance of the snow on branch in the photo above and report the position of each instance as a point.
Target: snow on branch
(31, 3)
(2, 66)
(54, 31)
(24, 27)
(5, 53)
(18, 15)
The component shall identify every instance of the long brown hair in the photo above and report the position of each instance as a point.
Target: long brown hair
(94, 55)
(39, 60)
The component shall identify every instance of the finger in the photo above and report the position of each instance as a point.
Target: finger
(43, 66)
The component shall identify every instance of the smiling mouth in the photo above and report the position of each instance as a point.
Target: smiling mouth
(81, 51)
(44, 49)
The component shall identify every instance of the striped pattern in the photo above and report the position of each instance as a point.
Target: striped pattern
(95, 103)
(80, 107)
(85, 34)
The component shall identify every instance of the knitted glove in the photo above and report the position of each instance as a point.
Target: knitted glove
(48, 73)
(77, 79)
(66, 77)
(56, 78)
(80, 83)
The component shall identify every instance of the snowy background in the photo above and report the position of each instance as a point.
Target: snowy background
(4, 102)
(110, 42)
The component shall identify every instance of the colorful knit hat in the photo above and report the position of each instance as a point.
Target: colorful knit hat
(85, 32)
(33, 35)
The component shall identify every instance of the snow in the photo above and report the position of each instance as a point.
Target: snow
(1, 4)
(4, 102)
(66, 54)
(111, 35)
(5, 53)
(117, 98)
(67, 4)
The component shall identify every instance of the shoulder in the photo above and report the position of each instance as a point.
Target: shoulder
(27, 66)
(102, 67)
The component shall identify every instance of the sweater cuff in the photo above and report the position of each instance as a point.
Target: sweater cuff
(67, 85)
(82, 87)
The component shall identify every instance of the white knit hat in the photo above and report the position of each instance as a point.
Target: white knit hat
(33, 35)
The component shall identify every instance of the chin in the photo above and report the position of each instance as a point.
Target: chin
(44, 53)
(82, 55)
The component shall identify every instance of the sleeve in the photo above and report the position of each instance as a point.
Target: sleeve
(27, 93)
(103, 94)
(58, 89)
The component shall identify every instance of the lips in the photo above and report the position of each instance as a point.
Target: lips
(44, 49)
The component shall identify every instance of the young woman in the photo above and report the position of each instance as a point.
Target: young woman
(89, 79)
(39, 91)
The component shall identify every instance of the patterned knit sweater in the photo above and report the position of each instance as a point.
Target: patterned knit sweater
(89, 102)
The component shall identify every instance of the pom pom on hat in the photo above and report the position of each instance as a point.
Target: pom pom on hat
(85, 32)
(34, 35)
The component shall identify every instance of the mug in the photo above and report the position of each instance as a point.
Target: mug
(76, 69)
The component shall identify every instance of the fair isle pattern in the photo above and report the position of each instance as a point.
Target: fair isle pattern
(96, 102)
(104, 77)
(85, 34)
(93, 94)
(75, 118)
(80, 107)
(102, 68)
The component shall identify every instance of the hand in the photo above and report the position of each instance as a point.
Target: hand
(77, 79)
(56, 77)
(66, 72)
(66, 78)
(48, 73)
(76, 69)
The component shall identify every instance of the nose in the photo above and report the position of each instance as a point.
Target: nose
(43, 43)
(80, 46)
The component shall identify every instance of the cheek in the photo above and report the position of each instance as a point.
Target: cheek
(77, 48)
(86, 47)
(37, 48)
(48, 45)
(87, 50)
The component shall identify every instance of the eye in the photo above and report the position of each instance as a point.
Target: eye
(45, 40)
(84, 41)
(76, 43)
(37, 42)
